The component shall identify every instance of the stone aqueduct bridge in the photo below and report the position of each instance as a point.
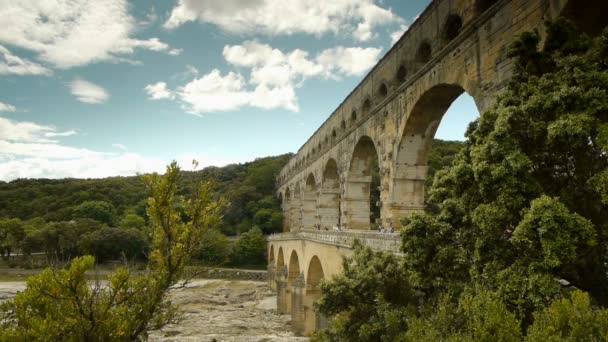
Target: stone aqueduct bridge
(388, 122)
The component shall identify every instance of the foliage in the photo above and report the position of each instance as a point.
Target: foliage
(370, 300)
(250, 249)
(12, 232)
(478, 315)
(570, 319)
(114, 243)
(517, 219)
(215, 248)
(61, 305)
(249, 187)
(132, 221)
(96, 210)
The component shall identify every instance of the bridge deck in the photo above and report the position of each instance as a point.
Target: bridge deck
(389, 242)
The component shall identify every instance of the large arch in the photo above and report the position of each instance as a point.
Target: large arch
(309, 203)
(411, 163)
(328, 205)
(313, 321)
(293, 271)
(363, 169)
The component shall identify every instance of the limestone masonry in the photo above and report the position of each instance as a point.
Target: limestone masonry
(389, 120)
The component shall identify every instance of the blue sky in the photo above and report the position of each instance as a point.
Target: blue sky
(111, 87)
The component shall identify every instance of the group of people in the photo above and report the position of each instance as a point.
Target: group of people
(389, 230)
(339, 227)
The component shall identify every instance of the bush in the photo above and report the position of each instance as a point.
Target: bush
(114, 243)
(250, 249)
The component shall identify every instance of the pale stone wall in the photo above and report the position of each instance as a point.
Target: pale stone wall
(402, 122)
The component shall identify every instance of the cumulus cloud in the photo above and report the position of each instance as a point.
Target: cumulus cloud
(88, 92)
(26, 151)
(5, 107)
(68, 33)
(273, 77)
(274, 17)
(158, 91)
(11, 64)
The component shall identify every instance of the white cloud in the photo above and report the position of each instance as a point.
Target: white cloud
(88, 92)
(274, 17)
(274, 76)
(68, 33)
(349, 61)
(24, 131)
(5, 107)
(395, 36)
(26, 152)
(60, 134)
(11, 64)
(158, 91)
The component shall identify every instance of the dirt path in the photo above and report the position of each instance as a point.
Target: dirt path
(224, 310)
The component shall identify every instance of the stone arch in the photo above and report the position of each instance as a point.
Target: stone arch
(353, 117)
(424, 52)
(382, 90)
(401, 74)
(309, 201)
(313, 292)
(363, 170)
(414, 148)
(588, 15)
(333, 133)
(367, 106)
(451, 28)
(343, 124)
(328, 205)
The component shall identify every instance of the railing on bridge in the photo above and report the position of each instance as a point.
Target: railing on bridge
(389, 242)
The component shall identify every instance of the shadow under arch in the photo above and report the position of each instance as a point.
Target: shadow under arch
(315, 274)
(328, 205)
(411, 162)
(309, 203)
(360, 208)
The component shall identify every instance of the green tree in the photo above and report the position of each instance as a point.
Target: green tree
(133, 221)
(570, 319)
(215, 248)
(370, 301)
(250, 249)
(12, 232)
(114, 243)
(62, 305)
(96, 210)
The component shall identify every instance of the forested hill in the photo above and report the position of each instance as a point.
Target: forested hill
(249, 188)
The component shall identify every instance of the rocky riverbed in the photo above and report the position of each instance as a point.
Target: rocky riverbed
(220, 310)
